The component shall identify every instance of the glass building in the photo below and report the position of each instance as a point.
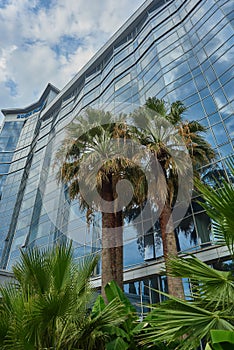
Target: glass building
(174, 50)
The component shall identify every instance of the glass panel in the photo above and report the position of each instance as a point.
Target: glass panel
(123, 81)
(228, 88)
(209, 105)
(226, 150)
(149, 249)
(186, 234)
(4, 168)
(5, 157)
(220, 133)
(130, 246)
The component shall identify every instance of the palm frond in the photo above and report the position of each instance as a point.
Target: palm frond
(219, 204)
(214, 285)
(51, 294)
(32, 271)
(177, 319)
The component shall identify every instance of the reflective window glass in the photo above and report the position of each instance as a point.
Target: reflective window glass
(200, 82)
(186, 234)
(210, 75)
(226, 150)
(209, 105)
(229, 91)
(129, 258)
(229, 122)
(204, 92)
(220, 133)
(4, 168)
(210, 138)
(214, 118)
(220, 98)
(195, 111)
(123, 81)
(203, 227)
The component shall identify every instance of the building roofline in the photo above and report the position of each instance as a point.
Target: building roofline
(49, 87)
(117, 36)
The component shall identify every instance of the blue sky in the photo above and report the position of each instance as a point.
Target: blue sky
(50, 40)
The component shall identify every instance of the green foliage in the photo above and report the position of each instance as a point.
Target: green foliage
(52, 305)
(208, 312)
(216, 287)
(117, 344)
(177, 145)
(127, 335)
(128, 327)
(90, 156)
(176, 318)
(222, 340)
(219, 204)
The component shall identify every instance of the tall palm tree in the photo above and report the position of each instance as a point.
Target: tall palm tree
(172, 143)
(94, 160)
(211, 303)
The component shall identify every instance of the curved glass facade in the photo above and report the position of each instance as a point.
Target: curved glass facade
(174, 50)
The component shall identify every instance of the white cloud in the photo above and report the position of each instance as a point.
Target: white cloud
(49, 41)
(4, 58)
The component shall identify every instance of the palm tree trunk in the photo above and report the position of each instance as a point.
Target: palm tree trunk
(112, 240)
(119, 248)
(175, 286)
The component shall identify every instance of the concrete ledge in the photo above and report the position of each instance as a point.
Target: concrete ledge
(5, 277)
(151, 268)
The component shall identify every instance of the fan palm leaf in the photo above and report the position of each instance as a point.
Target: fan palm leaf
(216, 286)
(50, 292)
(219, 204)
(178, 319)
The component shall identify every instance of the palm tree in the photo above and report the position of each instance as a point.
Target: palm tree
(177, 148)
(51, 305)
(94, 160)
(208, 312)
